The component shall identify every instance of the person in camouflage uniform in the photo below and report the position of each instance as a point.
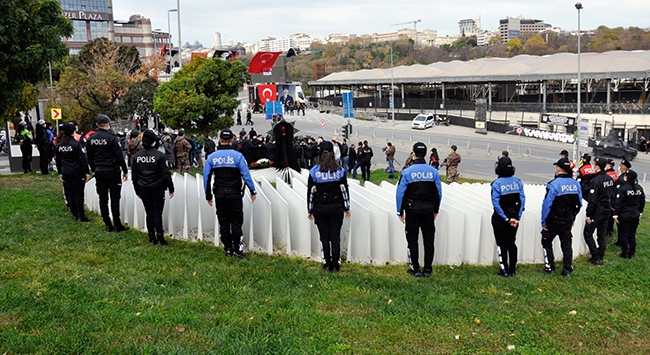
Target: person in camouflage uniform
(182, 148)
(452, 161)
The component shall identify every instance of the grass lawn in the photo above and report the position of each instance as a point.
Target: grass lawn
(70, 288)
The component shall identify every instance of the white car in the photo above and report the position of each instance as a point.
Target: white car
(422, 121)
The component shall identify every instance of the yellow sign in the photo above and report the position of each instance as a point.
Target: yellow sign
(56, 113)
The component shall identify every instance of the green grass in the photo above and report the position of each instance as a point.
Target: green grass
(71, 288)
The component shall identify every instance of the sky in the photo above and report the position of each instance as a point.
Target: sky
(250, 21)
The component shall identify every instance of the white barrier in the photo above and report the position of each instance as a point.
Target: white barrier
(277, 221)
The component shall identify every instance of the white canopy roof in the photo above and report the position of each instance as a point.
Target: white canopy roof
(607, 65)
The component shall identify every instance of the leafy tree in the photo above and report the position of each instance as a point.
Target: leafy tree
(514, 45)
(30, 37)
(139, 99)
(536, 45)
(202, 97)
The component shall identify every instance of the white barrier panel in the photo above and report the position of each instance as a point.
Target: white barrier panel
(280, 217)
(277, 220)
(298, 222)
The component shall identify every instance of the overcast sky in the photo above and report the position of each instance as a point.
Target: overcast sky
(251, 21)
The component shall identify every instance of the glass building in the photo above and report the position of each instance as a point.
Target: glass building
(91, 19)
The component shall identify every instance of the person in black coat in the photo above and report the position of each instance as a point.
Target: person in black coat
(72, 165)
(628, 209)
(151, 178)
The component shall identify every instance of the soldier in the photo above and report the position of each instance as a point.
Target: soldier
(227, 167)
(598, 210)
(182, 149)
(451, 162)
(105, 159)
(561, 205)
(418, 196)
(508, 200)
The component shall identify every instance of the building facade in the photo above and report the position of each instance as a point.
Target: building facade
(510, 28)
(469, 27)
(91, 19)
(137, 32)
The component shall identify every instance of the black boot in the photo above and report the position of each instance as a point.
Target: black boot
(120, 228)
(152, 239)
(161, 239)
(82, 218)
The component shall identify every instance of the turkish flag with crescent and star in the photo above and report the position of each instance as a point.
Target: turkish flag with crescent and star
(262, 62)
(267, 93)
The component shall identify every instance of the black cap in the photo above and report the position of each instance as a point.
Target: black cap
(226, 135)
(564, 163)
(68, 128)
(564, 152)
(420, 149)
(586, 157)
(611, 162)
(148, 138)
(504, 167)
(631, 176)
(626, 163)
(601, 162)
(326, 147)
(102, 119)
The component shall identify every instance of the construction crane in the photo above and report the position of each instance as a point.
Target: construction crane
(415, 27)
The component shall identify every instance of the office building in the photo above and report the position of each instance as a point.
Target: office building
(510, 27)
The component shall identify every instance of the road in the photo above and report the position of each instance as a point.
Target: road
(531, 157)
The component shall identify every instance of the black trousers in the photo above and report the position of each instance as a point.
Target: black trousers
(44, 161)
(26, 150)
(109, 183)
(154, 202)
(598, 224)
(365, 170)
(505, 236)
(329, 219)
(73, 186)
(627, 235)
(230, 213)
(415, 221)
(563, 230)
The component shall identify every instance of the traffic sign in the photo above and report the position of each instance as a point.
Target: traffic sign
(56, 114)
(274, 108)
(348, 105)
(322, 123)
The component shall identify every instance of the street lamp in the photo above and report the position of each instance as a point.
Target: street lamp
(169, 32)
(580, 128)
(392, 94)
(180, 49)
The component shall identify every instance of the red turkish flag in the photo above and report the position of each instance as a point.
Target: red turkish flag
(267, 93)
(262, 62)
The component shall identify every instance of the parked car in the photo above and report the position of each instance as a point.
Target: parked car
(422, 121)
(611, 145)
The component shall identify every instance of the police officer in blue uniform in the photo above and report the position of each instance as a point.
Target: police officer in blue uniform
(561, 205)
(327, 202)
(598, 210)
(151, 178)
(227, 167)
(508, 200)
(628, 209)
(106, 159)
(418, 198)
(72, 165)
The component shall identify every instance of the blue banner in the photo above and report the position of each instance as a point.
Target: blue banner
(274, 108)
(348, 105)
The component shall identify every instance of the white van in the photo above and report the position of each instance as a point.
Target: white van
(422, 121)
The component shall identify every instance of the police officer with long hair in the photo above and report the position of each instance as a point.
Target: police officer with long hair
(508, 200)
(418, 196)
(628, 209)
(151, 178)
(72, 165)
(328, 200)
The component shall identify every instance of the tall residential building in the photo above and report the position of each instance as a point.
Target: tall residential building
(91, 19)
(217, 40)
(469, 27)
(510, 27)
(137, 32)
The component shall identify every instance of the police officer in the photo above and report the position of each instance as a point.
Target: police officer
(598, 211)
(72, 165)
(106, 159)
(628, 209)
(417, 199)
(227, 167)
(151, 178)
(561, 205)
(585, 174)
(624, 166)
(24, 137)
(508, 200)
(327, 202)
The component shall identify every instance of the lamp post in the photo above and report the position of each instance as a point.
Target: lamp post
(579, 122)
(169, 31)
(180, 49)
(392, 94)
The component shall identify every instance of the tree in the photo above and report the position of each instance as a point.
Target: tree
(536, 45)
(139, 99)
(96, 79)
(514, 45)
(202, 97)
(30, 38)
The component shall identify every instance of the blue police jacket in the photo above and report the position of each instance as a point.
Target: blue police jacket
(508, 197)
(563, 200)
(227, 166)
(419, 182)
